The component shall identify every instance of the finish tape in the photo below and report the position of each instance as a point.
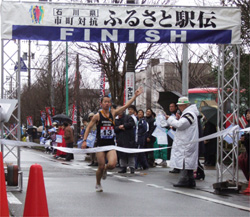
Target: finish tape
(126, 150)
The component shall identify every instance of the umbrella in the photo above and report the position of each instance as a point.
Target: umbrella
(210, 113)
(62, 118)
(166, 98)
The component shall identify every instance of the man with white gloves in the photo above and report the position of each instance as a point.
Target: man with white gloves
(184, 154)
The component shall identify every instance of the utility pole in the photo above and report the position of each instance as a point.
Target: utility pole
(130, 69)
(50, 75)
(67, 85)
(77, 85)
(29, 64)
(185, 73)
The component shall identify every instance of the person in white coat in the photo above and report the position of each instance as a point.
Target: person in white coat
(184, 155)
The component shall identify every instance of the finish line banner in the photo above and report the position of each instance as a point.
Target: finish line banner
(120, 23)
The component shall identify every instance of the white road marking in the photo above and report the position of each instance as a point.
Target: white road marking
(12, 199)
(120, 177)
(135, 180)
(155, 186)
(209, 199)
(201, 197)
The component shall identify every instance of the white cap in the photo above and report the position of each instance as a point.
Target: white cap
(183, 100)
(52, 130)
(91, 114)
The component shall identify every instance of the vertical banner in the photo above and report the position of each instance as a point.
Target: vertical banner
(130, 85)
(43, 118)
(49, 119)
(102, 79)
(74, 114)
(53, 111)
(29, 121)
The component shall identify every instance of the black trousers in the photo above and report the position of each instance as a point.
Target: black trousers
(69, 156)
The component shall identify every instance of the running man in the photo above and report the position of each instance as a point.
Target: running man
(104, 121)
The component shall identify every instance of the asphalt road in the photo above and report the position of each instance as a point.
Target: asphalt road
(70, 191)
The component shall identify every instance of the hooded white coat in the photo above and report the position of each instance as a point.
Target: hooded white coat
(185, 156)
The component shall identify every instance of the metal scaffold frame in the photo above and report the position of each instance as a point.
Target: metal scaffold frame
(11, 89)
(228, 91)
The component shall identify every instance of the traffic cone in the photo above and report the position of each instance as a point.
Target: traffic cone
(4, 207)
(36, 201)
(247, 190)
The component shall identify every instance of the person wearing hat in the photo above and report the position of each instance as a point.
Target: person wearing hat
(55, 126)
(184, 155)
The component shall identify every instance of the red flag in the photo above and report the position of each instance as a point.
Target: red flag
(29, 121)
(49, 120)
(74, 115)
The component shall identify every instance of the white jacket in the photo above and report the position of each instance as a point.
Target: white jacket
(186, 131)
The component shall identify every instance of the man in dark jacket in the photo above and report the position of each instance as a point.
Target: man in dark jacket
(125, 137)
(141, 133)
(150, 139)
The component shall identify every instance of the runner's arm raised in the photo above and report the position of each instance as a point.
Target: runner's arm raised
(93, 121)
(123, 108)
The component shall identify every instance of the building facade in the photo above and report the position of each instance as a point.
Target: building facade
(161, 77)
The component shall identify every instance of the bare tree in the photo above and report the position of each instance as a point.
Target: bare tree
(111, 58)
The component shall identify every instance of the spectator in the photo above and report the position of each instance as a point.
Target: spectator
(141, 133)
(210, 145)
(82, 131)
(150, 139)
(133, 113)
(69, 139)
(245, 139)
(52, 137)
(173, 111)
(184, 155)
(55, 125)
(60, 132)
(125, 137)
(200, 174)
(93, 158)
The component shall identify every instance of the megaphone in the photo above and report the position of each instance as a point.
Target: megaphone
(7, 107)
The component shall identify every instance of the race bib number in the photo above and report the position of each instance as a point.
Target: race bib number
(107, 132)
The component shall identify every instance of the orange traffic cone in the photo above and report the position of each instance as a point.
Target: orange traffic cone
(36, 201)
(247, 190)
(4, 207)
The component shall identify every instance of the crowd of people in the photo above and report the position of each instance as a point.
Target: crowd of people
(60, 135)
(135, 129)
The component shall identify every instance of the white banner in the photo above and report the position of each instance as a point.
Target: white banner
(120, 23)
(130, 85)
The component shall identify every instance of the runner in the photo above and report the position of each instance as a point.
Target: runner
(105, 136)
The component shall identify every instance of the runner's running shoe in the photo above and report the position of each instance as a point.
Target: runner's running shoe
(98, 188)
